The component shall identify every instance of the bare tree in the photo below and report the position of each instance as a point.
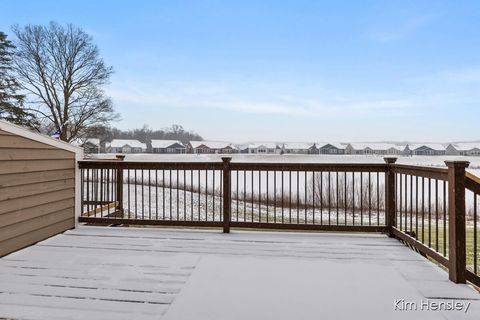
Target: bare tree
(61, 70)
(144, 134)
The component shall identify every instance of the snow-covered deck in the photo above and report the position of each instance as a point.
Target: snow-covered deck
(127, 273)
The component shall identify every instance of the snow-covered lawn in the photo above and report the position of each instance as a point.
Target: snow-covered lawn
(430, 161)
(196, 195)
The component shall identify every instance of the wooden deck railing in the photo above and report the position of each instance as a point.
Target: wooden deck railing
(422, 206)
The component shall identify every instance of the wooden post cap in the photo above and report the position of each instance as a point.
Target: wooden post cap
(457, 163)
(390, 160)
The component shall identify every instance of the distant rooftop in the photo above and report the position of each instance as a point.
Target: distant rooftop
(118, 143)
(211, 144)
(165, 143)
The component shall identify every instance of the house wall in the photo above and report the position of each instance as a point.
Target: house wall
(331, 150)
(169, 150)
(227, 150)
(296, 151)
(393, 151)
(37, 191)
(428, 152)
(204, 150)
(350, 150)
(472, 152)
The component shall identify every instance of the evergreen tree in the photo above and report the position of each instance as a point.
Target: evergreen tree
(11, 102)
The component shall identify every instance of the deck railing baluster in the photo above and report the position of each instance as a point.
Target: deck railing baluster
(475, 268)
(298, 197)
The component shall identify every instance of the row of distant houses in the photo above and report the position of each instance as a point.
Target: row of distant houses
(219, 147)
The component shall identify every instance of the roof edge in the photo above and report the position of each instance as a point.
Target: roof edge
(23, 132)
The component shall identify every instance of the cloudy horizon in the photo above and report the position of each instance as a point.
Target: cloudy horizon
(286, 70)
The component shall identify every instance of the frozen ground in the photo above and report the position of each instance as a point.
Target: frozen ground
(433, 161)
(127, 273)
(148, 199)
(246, 182)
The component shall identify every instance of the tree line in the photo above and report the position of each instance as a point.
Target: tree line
(52, 79)
(144, 134)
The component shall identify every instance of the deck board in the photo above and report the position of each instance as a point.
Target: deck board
(148, 273)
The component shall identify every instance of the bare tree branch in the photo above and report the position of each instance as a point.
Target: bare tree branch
(61, 67)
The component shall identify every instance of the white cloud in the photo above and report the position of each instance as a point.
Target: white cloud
(389, 31)
(464, 75)
(213, 96)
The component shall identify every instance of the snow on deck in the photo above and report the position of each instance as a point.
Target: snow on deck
(128, 273)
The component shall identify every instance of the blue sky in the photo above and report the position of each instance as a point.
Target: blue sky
(285, 70)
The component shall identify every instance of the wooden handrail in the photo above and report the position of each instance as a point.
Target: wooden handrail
(264, 166)
(427, 172)
(113, 164)
(472, 182)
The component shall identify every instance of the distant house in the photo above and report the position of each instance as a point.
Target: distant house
(210, 147)
(126, 146)
(429, 149)
(374, 148)
(263, 148)
(299, 148)
(168, 146)
(463, 149)
(396, 150)
(242, 148)
(331, 148)
(355, 148)
(89, 145)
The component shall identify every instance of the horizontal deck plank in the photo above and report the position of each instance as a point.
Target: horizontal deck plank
(157, 276)
(86, 293)
(132, 246)
(77, 305)
(94, 282)
(14, 311)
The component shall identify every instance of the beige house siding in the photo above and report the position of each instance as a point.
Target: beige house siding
(37, 191)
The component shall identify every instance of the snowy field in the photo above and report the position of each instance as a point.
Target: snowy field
(431, 161)
(195, 195)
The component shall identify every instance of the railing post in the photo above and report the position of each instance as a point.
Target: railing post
(390, 195)
(226, 194)
(119, 187)
(456, 220)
